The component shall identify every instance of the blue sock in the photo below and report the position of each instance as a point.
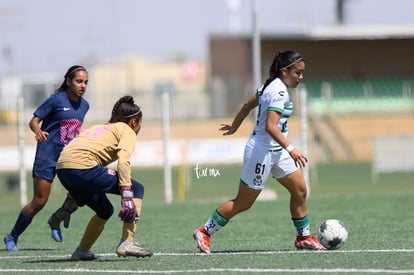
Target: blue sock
(21, 224)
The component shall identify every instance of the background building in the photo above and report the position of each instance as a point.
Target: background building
(341, 62)
(144, 78)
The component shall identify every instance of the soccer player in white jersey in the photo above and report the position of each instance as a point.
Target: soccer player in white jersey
(268, 151)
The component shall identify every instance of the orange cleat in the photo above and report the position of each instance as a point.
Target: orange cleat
(202, 239)
(308, 242)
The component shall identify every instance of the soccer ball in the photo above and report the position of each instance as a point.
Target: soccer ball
(332, 234)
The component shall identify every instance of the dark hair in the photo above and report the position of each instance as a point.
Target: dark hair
(124, 109)
(70, 74)
(283, 59)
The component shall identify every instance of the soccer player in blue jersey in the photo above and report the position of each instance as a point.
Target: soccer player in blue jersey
(55, 122)
(268, 152)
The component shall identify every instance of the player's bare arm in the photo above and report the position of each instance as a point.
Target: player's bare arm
(34, 124)
(238, 119)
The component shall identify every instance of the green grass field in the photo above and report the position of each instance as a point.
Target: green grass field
(379, 219)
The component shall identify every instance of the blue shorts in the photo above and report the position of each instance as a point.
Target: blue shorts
(90, 186)
(44, 172)
(44, 164)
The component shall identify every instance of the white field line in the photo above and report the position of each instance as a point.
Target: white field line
(210, 270)
(14, 256)
(235, 270)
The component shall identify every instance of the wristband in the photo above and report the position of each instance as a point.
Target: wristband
(290, 148)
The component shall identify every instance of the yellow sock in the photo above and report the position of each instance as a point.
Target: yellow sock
(129, 229)
(92, 232)
(138, 203)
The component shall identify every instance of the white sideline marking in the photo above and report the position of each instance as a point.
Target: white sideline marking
(241, 270)
(236, 270)
(230, 253)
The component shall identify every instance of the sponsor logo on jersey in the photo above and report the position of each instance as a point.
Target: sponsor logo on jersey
(66, 109)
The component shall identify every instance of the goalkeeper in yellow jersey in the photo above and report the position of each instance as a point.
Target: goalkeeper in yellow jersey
(82, 170)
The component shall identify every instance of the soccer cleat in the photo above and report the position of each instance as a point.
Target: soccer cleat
(10, 242)
(308, 242)
(54, 225)
(202, 239)
(82, 255)
(130, 248)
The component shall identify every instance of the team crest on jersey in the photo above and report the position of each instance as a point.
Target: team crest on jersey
(258, 180)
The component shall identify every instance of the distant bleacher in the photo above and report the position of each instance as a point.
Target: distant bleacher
(345, 96)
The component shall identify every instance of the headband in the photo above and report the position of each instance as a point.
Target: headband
(134, 114)
(294, 62)
(78, 68)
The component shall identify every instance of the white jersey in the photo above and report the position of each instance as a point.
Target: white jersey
(274, 98)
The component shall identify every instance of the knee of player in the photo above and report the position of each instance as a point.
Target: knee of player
(303, 193)
(106, 213)
(137, 189)
(300, 195)
(38, 204)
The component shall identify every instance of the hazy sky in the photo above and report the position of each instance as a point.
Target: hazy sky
(49, 35)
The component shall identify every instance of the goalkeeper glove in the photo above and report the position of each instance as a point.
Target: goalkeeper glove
(128, 211)
(63, 213)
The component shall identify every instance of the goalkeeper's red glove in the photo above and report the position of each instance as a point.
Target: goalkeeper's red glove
(128, 211)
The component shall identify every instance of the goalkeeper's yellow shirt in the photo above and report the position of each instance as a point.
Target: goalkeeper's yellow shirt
(101, 145)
